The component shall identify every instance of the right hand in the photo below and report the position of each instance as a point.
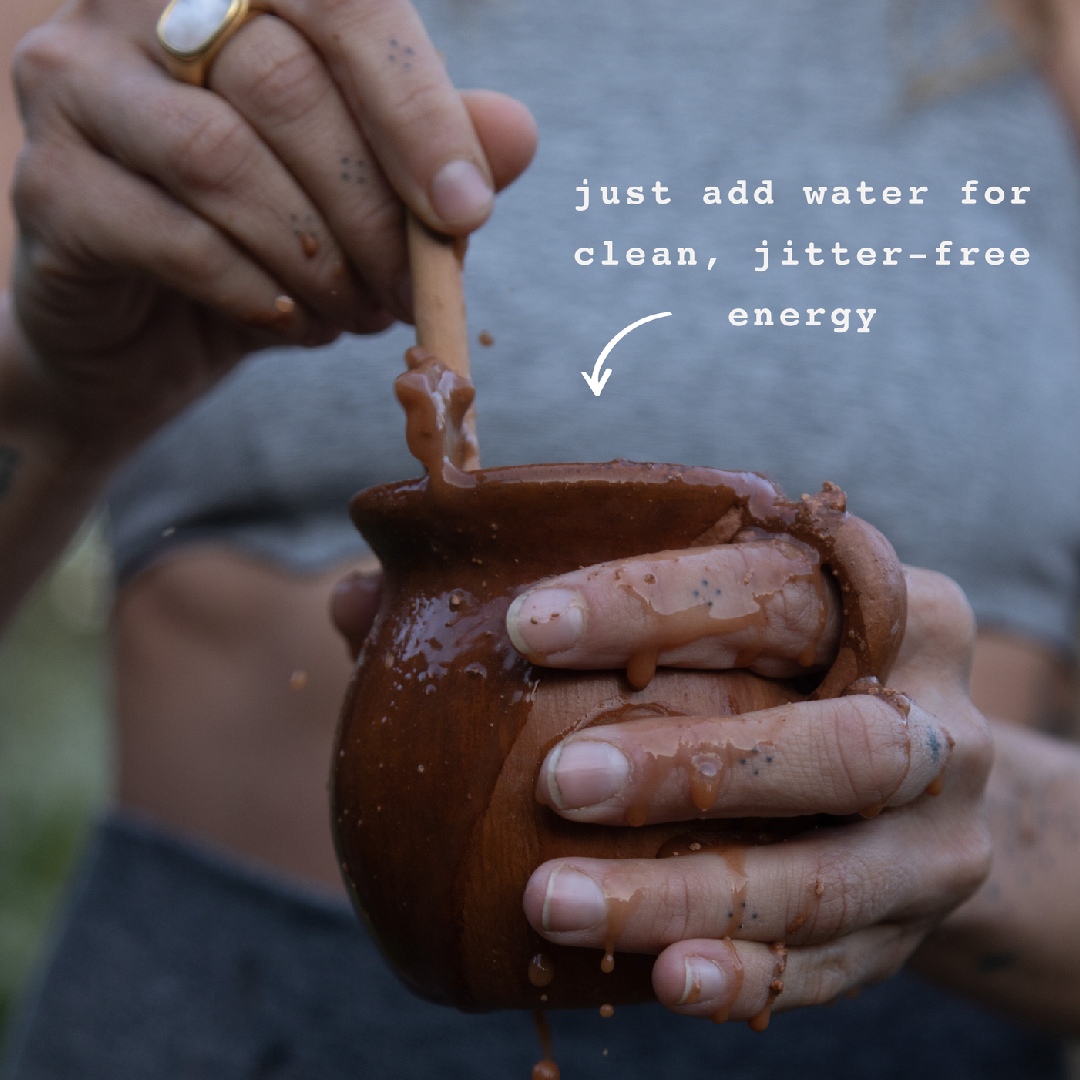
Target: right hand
(160, 223)
(850, 900)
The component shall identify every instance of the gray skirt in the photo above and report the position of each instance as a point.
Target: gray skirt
(172, 963)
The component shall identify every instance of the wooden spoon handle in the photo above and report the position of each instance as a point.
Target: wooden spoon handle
(436, 263)
(438, 295)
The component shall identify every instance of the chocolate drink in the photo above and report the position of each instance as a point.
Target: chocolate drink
(445, 725)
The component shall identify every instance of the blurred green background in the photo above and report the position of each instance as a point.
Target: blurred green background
(54, 753)
(55, 760)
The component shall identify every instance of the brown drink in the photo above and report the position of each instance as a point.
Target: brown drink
(446, 724)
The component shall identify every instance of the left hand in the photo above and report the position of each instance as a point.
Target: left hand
(354, 603)
(851, 901)
(1048, 31)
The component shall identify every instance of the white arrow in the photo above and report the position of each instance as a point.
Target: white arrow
(596, 383)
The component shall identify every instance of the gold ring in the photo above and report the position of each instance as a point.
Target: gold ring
(192, 32)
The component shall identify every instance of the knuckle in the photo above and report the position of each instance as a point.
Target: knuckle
(957, 869)
(376, 216)
(871, 748)
(38, 59)
(33, 189)
(335, 8)
(281, 77)
(677, 898)
(832, 906)
(38, 259)
(976, 752)
(846, 966)
(423, 107)
(373, 15)
(835, 976)
(193, 248)
(970, 858)
(207, 149)
(853, 894)
(939, 608)
(795, 611)
(802, 607)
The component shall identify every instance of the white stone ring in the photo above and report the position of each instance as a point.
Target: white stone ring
(193, 32)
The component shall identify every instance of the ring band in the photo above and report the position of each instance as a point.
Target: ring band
(192, 32)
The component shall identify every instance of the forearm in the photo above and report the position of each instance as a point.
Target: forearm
(1015, 944)
(48, 483)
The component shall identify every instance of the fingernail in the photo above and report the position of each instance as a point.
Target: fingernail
(573, 901)
(585, 772)
(460, 194)
(704, 981)
(546, 621)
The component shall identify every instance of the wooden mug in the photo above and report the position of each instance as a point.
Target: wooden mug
(446, 725)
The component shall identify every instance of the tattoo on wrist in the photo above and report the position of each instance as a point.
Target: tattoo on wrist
(9, 462)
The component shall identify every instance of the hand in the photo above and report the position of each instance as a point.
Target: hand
(851, 901)
(354, 604)
(166, 230)
(1049, 33)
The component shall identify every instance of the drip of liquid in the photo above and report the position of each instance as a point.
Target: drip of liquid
(870, 687)
(677, 616)
(641, 668)
(796, 924)
(541, 969)
(721, 1014)
(435, 401)
(619, 911)
(607, 1011)
(705, 777)
(747, 656)
(706, 760)
(760, 1021)
(937, 785)
(545, 1068)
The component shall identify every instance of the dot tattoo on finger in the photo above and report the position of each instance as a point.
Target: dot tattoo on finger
(352, 170)
(406, 54)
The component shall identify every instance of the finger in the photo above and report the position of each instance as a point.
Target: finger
(827, 884)
(200, 150)
(939, 638)
(354, 604)
(396, 86)
(764, 605)
(506, 130)
(739, 980)
(274, 79)
(83, 214)
(839, 756)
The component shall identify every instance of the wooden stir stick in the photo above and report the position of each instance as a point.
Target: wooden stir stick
(436, 263)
